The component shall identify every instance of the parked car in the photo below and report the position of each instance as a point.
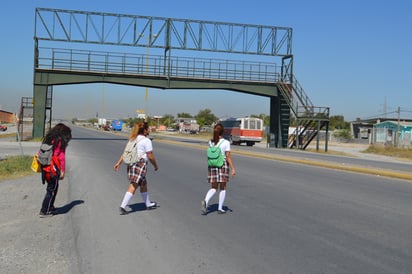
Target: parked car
(3, 128)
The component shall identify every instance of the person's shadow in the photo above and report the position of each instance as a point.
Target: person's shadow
(66, 208)
(214, 208)
(137, 207)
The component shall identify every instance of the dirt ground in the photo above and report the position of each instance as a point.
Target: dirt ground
(30, 244)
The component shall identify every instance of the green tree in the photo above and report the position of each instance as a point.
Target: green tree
(131, 121)
(342, 134)
(167, 120)
(93, 121)
(292, 120)
(184, 115)
(338, 122)
(264, 117)
(205, 117)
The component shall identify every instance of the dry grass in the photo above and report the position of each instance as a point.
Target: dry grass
(15, 167)
(8, 135)
(391, 151)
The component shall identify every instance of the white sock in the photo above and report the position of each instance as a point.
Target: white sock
(209, 195)
(222, 196)
(146, 200)
(126, 199)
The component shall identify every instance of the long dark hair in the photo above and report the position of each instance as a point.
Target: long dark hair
(60, 133)
(217, 132)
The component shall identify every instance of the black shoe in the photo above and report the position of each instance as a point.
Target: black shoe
(53, 210)
(45, 214)
(203, 207)
(123, 211)
(152, 206)
(220, 211)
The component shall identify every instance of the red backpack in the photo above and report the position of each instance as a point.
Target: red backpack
(51, 171)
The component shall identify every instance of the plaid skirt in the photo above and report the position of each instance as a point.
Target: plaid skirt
(137, 172)
(218, 174)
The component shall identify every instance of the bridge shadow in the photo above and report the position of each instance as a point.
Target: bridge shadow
(66, 208)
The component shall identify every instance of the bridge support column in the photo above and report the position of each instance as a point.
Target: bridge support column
(274, 129)
(284, 121)
(279, 122)
(39, 110)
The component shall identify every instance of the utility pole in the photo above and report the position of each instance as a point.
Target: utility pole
(103, 97)
(148, 43)
(399, 125)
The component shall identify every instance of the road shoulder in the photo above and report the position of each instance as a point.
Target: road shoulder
(31, 244)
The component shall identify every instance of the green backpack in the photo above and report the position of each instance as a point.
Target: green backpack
(214, 156)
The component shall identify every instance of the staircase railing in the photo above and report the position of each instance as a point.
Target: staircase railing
(302, 108)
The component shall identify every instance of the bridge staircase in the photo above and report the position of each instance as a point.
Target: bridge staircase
(309, 120)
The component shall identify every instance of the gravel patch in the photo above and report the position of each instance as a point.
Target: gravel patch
(30, 244)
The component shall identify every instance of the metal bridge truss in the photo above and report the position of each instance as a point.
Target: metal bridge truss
(166, 33)
(55, 28)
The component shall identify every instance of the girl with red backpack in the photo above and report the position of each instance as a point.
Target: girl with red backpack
(59, 137)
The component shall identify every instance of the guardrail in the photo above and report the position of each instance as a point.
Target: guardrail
(156, 65)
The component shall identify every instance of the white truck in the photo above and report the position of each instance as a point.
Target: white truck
(187, 125)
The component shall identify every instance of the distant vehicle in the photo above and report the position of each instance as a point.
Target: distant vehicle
(243, 130)
(187, 125)
(3, 128)
(117, 125)
(102, 123)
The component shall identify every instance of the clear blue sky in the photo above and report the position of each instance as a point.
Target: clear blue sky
(352, 56)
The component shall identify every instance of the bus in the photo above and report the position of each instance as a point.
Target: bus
(243, 130)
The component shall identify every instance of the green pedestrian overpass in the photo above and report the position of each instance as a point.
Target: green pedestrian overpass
(78, 47)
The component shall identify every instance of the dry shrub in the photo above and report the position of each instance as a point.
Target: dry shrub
(391, 151)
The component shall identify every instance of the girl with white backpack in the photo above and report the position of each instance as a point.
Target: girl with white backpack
(136, 171)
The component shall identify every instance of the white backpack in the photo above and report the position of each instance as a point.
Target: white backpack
(130, 151)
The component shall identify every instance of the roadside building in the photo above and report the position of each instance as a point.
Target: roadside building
(396, 133)
(362, 129)
(6, 117)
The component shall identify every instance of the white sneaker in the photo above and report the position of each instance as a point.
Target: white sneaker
(204, 207)
(123, 211)
(153, 205)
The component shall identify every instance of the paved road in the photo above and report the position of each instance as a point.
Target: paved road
(284, 217)
(354, 158)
